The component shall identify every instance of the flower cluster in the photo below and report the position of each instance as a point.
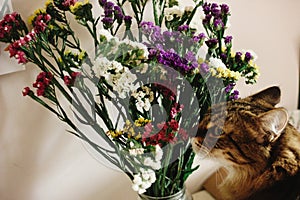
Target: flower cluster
(143, 91)
(143, 180)
(175, 15)
(143, 98)
(42, 83)
(113, 13)
(115, 75)
(216, 16)
(163, 133)
(11, 27)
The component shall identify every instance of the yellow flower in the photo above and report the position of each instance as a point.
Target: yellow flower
(200, 60)
(48, 2)
(114, 134)
(141, 122)
(213, 72)
(256, 67)
(232, 54)
(81, 55)
(51, 27)
(36, 12)
(76, 6)
(60, 60)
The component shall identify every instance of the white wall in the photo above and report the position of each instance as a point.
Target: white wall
(39, 160)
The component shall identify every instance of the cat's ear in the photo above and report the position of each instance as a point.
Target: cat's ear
(270, 95)
(273, 122)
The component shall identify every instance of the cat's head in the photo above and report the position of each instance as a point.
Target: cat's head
(243, 131)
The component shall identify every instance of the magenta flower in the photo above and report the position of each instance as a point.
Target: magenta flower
(42, 83)
(68, 3)
(40, 22)
(12, 27)
(21, 57)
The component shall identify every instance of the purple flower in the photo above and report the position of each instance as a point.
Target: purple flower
(228, 40)
(206, 8)
(218, 23)
(109, 5)
(234, 95)
(248, 56)
(215, 10)
(146, 27)
(238, 56)
(108, 13)
(224, 9)
(207, 19)
(223, 56)
(102, 2)
(128, 21)
(212, 43)
(192, 60)
(183, 28)
(229, 87)
(156, 36)
(107, 22)
(172, 59)
(204, 67)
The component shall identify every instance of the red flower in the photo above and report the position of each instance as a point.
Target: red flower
(68, 80)
(174, 125)
(26, 91)
(42, 82)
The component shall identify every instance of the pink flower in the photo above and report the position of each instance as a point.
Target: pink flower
(68, 3)
(183, 134)
(21, 57)
(40, 22)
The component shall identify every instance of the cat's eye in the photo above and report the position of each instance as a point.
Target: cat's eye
(215, 131)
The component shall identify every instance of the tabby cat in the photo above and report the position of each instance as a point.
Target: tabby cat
(258, 148)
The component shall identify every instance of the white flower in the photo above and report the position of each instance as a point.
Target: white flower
(137, 45)
(169, 17)
(136, 151)
(143, 180)
(216, 63)
(189, 8)
(175, 10)
(143, 102)
(137, 179)
(156, 165)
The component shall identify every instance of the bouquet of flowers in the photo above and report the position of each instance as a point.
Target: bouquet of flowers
(137, 94)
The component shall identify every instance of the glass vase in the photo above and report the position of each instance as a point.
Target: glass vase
(181, 195)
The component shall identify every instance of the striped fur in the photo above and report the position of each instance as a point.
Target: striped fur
(259, 149)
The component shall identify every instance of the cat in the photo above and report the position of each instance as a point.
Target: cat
(259, 149)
